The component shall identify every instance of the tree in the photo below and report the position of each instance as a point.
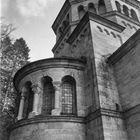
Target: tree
(14, 56)
(6, 30)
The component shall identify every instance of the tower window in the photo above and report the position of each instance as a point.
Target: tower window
(102, 8)
(48, 96)
(134, 15)
(91, 8)
(81, 11)
(126, 10)
(68, 95)
(118, 6)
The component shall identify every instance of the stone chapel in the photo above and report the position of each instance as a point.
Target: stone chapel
(90, 90)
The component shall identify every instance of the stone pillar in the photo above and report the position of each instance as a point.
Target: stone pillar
(37, 90)
(96, 7)
(21, 107)
(121, 9)
(57, 105)
(130, 13)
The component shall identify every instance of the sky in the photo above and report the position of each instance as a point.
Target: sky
(33, 20)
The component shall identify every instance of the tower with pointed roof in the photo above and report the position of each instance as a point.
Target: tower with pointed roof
(90, 89)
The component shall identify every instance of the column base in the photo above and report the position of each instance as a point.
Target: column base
(56, 112)
(18, 118)
(32, 114)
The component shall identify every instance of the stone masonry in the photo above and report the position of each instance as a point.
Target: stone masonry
(90, 89)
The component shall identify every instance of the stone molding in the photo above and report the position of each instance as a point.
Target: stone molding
(116, 13)
(93, 115)
(97, 18)
(132, 111)
(75, 119)
(60, 39)
(103, 112)
(125, 48)
(47, 64)
(47, 119)
(61, 14)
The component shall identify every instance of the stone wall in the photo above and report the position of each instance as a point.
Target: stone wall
(127, 73)
(49, 129)
(106, 40)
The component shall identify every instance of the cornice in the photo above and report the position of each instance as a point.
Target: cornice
(76, 1)
(64, 62)
(93, 17)
(103, 112)
(67, 118)
(132, 111)
(134, 3)
(61, 14)
(78, 28)
(60, 39)
(125, 48)
(116, 13)
(47, 119)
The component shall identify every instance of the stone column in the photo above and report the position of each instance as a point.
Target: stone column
(96, 7)
(37, 90)
(122, 9)
(130, 13)
(57, 105)
(21, 107)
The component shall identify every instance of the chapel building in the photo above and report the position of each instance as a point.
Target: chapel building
(90, 90)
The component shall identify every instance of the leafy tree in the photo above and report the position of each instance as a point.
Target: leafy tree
(6, 30)
(14, 55)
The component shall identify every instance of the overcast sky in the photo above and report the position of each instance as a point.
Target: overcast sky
(33, 20)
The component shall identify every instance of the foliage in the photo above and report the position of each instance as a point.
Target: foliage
(14, 54)
(6, 29)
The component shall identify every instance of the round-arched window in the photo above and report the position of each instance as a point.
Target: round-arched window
(48, 96)
(68, 95)
(81, 11)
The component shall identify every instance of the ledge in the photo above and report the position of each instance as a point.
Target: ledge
(125, 48)
(60, 39)
(103, 112)
(48, 119)
(75, 119)
(61, 15)
(116, 13)
(63, 62)
(93, 17)
(132, 111)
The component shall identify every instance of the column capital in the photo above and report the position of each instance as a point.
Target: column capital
(36, 88)
(56, 84)
(122, 9)
(23, 92)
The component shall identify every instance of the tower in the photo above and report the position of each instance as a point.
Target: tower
(75, 94)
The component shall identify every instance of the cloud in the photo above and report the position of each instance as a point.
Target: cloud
(3, 6)
(32, 8)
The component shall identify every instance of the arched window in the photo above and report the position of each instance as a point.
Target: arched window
(68, 95)
(118, 6)
(48, 96)
(91, 8)
(29, 96)
(81, 11)
(134, 15)
(126, 10)
(102, 8)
